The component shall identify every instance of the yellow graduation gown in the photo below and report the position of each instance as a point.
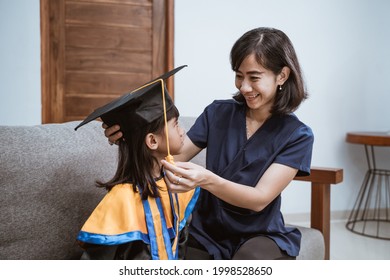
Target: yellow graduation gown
(122, 217)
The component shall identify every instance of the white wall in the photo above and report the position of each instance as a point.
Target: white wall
(20, 63)
(342, 45)
(343, 48)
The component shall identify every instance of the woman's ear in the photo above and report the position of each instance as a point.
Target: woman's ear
(151, 141)
(283, 75)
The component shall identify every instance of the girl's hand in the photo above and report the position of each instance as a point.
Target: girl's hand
(112, 133)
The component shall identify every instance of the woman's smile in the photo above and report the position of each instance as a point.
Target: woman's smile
(250, 97)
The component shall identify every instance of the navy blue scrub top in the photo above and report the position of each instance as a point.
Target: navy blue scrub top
(219, 226)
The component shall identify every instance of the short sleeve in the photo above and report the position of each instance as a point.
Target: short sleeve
(199, 131)
(297, 153)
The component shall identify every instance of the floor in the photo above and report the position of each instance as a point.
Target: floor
(346, 245)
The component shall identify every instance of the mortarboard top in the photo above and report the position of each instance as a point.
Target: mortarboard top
(137, 108)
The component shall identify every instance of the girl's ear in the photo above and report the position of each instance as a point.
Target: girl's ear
(151, 141)
(283, 75)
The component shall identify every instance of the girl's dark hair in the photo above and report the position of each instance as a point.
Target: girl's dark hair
(135, 161)
(273, 50)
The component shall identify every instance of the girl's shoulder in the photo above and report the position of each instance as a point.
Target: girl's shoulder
(122, 190)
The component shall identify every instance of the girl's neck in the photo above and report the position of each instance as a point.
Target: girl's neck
(159, 176)
(157, 170)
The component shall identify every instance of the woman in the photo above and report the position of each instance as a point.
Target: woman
(255, 147)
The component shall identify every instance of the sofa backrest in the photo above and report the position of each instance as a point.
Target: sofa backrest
(47, 177)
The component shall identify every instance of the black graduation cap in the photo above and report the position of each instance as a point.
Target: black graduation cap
(137, 108)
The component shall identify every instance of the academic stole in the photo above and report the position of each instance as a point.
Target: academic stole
(161, 246)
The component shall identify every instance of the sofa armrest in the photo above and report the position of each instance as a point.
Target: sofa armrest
(321, 179)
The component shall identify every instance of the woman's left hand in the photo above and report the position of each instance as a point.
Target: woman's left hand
(184, 176)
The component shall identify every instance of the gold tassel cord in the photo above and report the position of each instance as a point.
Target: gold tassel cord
(169, 157)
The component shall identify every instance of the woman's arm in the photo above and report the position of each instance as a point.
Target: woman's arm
(188, 151)
(272, 183)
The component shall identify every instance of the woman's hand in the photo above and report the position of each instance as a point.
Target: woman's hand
(184, 176)
(112, 133)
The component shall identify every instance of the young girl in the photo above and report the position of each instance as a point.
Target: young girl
(139, 218)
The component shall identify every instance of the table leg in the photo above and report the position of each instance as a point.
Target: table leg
(370, 215)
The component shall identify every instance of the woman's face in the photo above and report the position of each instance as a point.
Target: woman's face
(257, 84)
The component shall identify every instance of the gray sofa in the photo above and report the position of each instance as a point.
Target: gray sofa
(47, 175)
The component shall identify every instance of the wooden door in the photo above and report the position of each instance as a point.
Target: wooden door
(93, 51)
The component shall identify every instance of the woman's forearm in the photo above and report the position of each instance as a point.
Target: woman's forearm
(236, 194)
(273, 182)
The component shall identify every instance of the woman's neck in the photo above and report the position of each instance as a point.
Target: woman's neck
(259, 116)
(254, 120)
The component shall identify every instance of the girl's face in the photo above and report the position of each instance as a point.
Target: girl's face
(257, 84)
(175, 136)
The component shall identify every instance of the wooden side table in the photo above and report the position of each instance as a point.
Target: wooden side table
(370, 215)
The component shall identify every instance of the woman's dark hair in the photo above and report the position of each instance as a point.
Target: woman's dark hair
(135, 161)
(273, 50)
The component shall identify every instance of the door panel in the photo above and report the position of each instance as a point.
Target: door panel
(94, 51)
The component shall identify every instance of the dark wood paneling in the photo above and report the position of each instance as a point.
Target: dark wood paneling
(77, 106)
(107, 60)
(114, 14)
(117, 38)
(129, 2)
(96, 50)
(103, 83)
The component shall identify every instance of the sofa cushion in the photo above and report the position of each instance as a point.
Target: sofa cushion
(312, 244)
